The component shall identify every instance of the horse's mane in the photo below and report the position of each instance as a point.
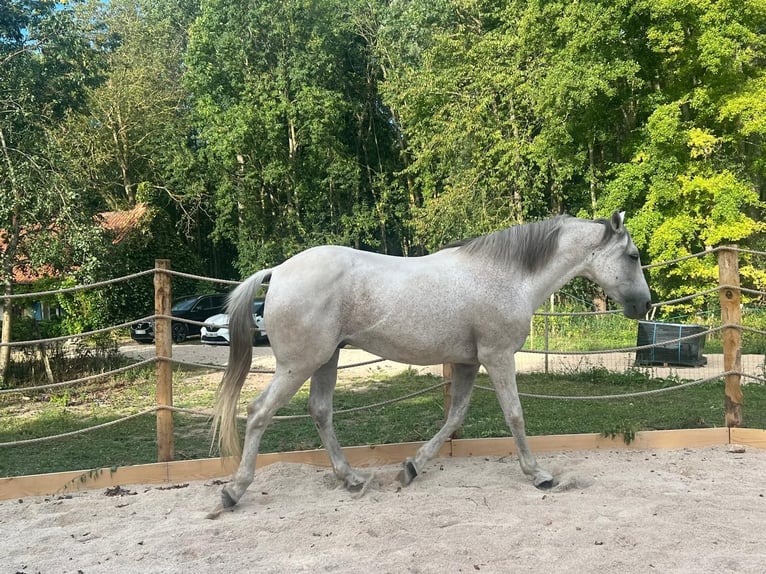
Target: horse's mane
(531, 245)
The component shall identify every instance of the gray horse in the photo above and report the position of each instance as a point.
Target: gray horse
(469, 304)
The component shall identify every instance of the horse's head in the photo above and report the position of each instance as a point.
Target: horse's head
(616, 266)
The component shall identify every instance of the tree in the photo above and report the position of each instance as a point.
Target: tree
(133, 141)
(128, 140)
(45, 66)
(289, 121)
(694, 177)
(152, 237)
(512, 111)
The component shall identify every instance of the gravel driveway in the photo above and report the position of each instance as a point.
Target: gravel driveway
(195, 352)
(263, 358)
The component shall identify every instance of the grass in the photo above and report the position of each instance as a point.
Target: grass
(581, 333)
(418, 418)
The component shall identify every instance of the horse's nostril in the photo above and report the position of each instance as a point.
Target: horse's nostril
(648, 305)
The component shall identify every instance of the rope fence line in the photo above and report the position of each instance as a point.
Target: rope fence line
(230, 282)
(183, 275)
(209, 366)
(682, 258)
(618, 396)
(756, 378)
(263, 371)
(79, 431)
(380, 404)
(709, 331)
(82, 335)
(76, 288)
(751, 330)
(87, 379)
(710, 291)
(709, 251)
(149, 361)
(745, 251)
(364, 407)
(171, 408)
(154, 317)
(116, 280)
(208, 414)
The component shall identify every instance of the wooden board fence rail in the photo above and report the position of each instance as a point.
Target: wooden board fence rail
(62, 483)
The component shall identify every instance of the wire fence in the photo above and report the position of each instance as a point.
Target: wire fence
(560, 341)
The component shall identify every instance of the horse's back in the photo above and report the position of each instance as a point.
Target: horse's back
(333, 267)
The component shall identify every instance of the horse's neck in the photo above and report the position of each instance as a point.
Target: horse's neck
(577, 241)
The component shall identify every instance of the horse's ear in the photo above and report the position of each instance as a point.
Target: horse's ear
(617, 221)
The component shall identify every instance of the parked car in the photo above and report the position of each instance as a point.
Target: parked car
(194, 308)
(216, 329)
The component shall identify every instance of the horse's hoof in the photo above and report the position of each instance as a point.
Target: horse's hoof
(227, 500)
(408, 473)
(545, 485)
(543, 479)
(354, 486)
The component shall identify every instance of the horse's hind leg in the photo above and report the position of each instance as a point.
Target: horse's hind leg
(463, 377)
(320, 407)
(260, 411)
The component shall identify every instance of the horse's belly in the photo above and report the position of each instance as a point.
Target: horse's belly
(413, 350)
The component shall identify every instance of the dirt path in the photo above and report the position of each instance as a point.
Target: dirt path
(263, 358)
(194, 352)
(676, 511)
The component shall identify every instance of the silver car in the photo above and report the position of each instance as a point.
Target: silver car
(216, 328)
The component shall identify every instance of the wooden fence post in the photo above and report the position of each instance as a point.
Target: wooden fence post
(729, 295)
(163, 344)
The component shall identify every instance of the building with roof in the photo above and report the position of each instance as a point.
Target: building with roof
(118, 224)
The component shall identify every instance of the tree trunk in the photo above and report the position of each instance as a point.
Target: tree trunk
(7, 271)
(8, 259)
(592, 174)
(5, 351)
(42, 351)
(122, 145)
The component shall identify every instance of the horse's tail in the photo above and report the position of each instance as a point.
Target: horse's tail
(239, 308)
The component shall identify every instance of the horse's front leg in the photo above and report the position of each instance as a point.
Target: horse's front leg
(503, 375)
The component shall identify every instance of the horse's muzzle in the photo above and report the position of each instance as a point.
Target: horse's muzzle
(636, 308)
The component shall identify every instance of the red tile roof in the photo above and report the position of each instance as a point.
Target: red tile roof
(119, 223)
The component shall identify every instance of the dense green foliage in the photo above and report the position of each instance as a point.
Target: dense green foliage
(255, 129)
(45, 67)
(289, 117)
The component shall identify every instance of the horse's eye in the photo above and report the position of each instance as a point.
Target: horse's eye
(633, 256)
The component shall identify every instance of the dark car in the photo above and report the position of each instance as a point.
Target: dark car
(194, 308)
